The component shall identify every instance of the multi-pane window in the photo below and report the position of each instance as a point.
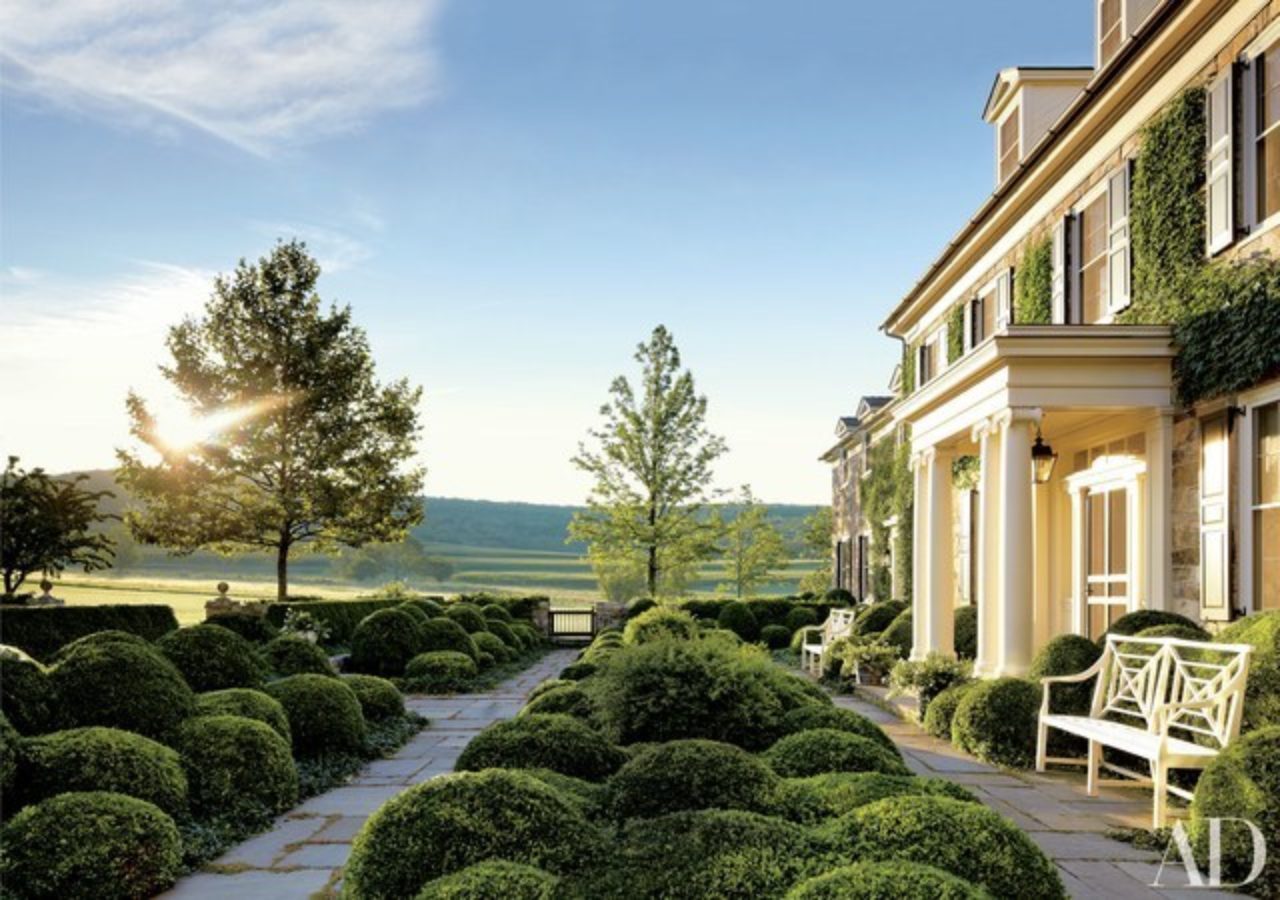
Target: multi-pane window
(1118, 241)
(1106, 558)
(1266, 506)
(1110, 30)
(929, 357)
(982, 316)
(1093, 260)
(1267, 137)
(1010, 146)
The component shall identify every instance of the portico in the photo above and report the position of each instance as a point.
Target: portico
(1071, 552)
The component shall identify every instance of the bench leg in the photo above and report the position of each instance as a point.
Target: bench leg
(1159, 793)
(1094, 764)
(1042, 745)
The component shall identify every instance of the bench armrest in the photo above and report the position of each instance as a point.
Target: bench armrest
(1049, 680)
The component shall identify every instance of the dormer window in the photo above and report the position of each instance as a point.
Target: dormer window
(1010, 148)
(1110, 30)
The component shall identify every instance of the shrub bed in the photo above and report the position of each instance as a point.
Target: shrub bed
(324, 714)
(822, 750)
(468, 616)
(28, 700)
(806, 718)
(895, 880)
(568, 699)
(379, 698)
(246, 703)
(487, 642)
(122, 686)
(287, 655)
(800, 617)
(490, 880)
(236, 767)
(942, 711)
(440, 671)
(738, 618)
(102, 759)
(504, 632)
(996, 722)
(660, 622)
(447, 824)
(428, 606)
(446, 634)
(898, 635)
(493, 612)
(383, 643)
(212, 658)
(41, 630)
(1262, 692)
(95, 846)
(559, 743)
(689, 775)
(1182, 632)
(255, 629)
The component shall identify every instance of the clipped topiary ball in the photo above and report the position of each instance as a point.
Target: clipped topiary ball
(568, 699)
(324, 714)
(28, 700)
(531, 636)
(102, 759)
(505, 633)
(1242, 782)
(485, 660)
(428, 606)
(247, 703)
(807, 718)
(800, 617)
(295, 656)
(1262, 691)
(212, 658)
(1067, 654)
(898, 635)
(686, 775)
(493, 645)
(877, 617)
(255, 629)
(821, 797)
(446, 634)
(444, 825)
(966, 839)
(996, 722)
(559, 743)
(468, 616)
(441, 671)
(549, 685)
(419, 614)
(495, 613)
(660, 622)
(1182, 632)
(100, 638)
(839, 597)
(384, 642)
(1142, 619)
(492, 879)
(775, 637)
(379, 699)
(965, 637)
(827, 750)
(738, 618)
(942, 709)
(895, 880)
(123, 686)
(237, 767)
(578, 671)
(90, 846)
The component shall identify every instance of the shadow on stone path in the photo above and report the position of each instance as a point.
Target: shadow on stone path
(304, 851)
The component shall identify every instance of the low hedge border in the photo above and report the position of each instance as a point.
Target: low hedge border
(40, 631)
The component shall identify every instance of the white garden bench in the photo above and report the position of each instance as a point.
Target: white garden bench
(1174, 703)
(839, 624)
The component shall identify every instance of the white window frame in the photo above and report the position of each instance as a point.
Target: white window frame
(1244, 498)
(1003, 297)
(1117, 239)
(1246, 145)
(1130, 477)
(1118, 243)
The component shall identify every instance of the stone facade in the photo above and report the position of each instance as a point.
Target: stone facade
(1185, 518)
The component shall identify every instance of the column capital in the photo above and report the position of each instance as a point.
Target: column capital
(1015, 415)
(982, 430)
(923, 457)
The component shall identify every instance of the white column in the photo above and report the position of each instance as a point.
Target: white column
(1017, 544)
(920, 555)
(941, 595)
(1079, 587)
(1160, 510)
(984, 554)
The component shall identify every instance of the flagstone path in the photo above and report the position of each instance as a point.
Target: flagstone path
(304, 851)
(1054, 810)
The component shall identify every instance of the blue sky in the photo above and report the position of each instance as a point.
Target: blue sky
(509, 194)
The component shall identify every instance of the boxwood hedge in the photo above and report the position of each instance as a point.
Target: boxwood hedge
(28, 700)
(468, 616)
(384, 642)
(237, 767)
(660, 622)
(380, 700)
(996, 722)
(687, 775)
(112, 636)
(446, 634)
(738, 618)
(212, 658)
(941, 713)
(41, 630)
(440, 671)
(255, 629)
(324, 714)
(896, 880)
(490, 643)
(248, 703)
(821, 797)
(122, 686)
(490, 880)
(810, 716)
(1262, 692)
(559, 743)
(340, 616)
(828, 750)
(288, 655)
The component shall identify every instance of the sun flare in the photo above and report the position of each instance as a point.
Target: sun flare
(181, 430)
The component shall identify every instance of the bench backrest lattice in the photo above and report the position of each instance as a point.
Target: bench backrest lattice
(1191, 689)
(839, 624)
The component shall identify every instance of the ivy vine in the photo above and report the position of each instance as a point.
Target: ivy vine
(955, 333)
(908, 369)
(887, 490)
(1033, 286)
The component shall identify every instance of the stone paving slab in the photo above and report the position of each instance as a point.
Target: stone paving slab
(304, 851)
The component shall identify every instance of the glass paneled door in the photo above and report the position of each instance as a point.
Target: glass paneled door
(1266, 507)
(1107, 564)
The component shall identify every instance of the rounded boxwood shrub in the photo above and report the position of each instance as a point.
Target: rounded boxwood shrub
(877, 617)
(493, 645)
(419, 614)
(28, 699)
(324, 714)
(485, 660)
(9, 741)
(809, 717)
(255, 629)
(441, 671)
(839, 597)
(504, 632)
(996, 722)
(1243, 782)
(288, 655)
(775, 637)
(660, 622)
(800, 617)
(468, 616)
(211, 657)
(532, 636)
(828, 750)
(738, 618)
(1182, 632)
(384, 642)
(99, 638)
(428, 606)
(577, 671)
(237, 767)
(709, 853)
(640, 605)
(694, 774)
(443, 825)
(942, 709)
(1067, 654)
(568, 699)
(494, 878)
(560, 743)
(446, 634)
(965, 637)
(246, 703)
(95, 846)
(966, 839)
(102, 759)
(821, 797)
(894, 880)
(1262, 691)
(379, 699)
(1142, 619)
(123, 686)
(898, 635)
(549, 685)
(493, 612)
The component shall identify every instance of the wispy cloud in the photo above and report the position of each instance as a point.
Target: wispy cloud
(334, 249)
(260, 74)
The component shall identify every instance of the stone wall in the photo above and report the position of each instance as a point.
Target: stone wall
(1185, 512)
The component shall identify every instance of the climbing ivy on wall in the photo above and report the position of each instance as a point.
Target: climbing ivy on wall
(1033, 288)
(1167, 214)
(964, 473)
(887, 490)
(908, 368)
(955, 334)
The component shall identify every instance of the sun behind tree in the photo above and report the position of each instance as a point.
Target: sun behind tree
(292, 442)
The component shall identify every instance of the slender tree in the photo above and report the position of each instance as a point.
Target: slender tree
(48, 525)
(305, 448)
(753, 547)
(815, 533)
(652, 470)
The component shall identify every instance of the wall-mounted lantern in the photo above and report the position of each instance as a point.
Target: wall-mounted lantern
(1043, 459)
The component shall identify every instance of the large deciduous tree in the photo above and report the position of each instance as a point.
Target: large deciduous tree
(652, 469)
(304, 448)
(48, 525)
(752, 546)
